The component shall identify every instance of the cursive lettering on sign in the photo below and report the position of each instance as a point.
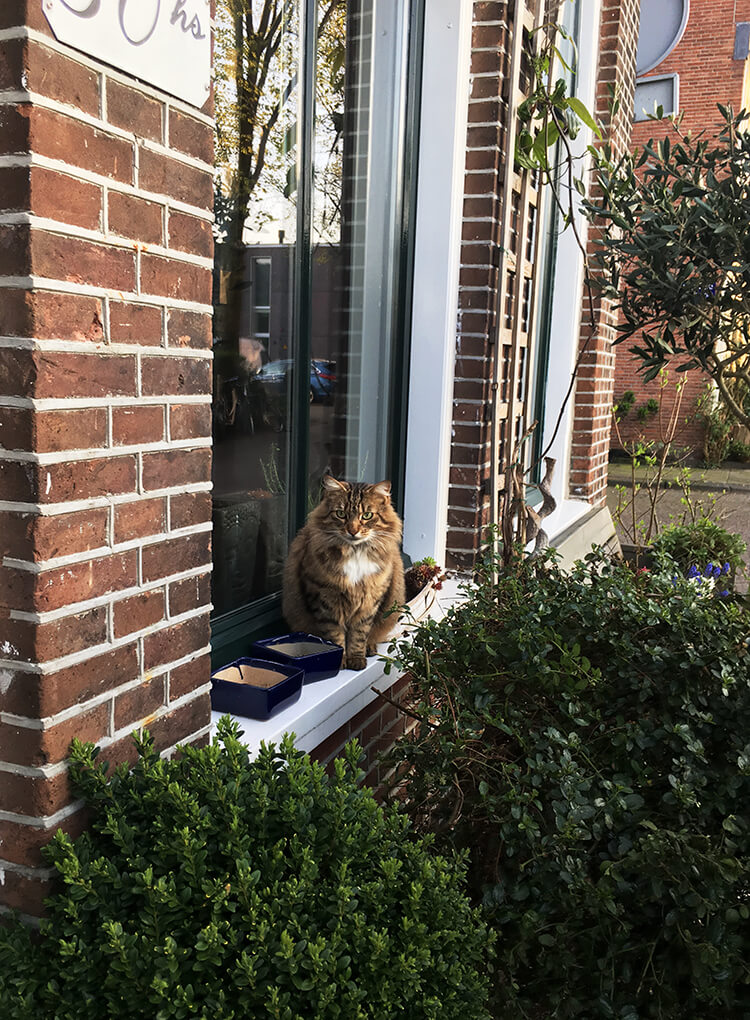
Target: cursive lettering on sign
(86, 12)
(165, 43)
(131, 40)
(179, 17)
(194, 26)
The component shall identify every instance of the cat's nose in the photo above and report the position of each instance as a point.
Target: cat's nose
(352, 529)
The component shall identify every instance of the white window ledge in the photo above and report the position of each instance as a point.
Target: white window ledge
(326, 705)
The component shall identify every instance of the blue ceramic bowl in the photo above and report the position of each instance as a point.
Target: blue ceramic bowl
(255, 688)
(319, 658)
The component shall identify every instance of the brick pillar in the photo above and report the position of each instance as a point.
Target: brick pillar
(595, 382)
(471, 460)
(105, 427)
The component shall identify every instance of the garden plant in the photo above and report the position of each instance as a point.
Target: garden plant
(214, 886)
(585, 735)
(697, 543)
(673, 251)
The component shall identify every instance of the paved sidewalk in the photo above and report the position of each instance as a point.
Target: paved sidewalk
(728, 477)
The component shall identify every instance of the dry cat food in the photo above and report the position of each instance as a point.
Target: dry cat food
(256, 676)
(299, 648)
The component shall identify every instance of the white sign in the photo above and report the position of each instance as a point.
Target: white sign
(166, 43)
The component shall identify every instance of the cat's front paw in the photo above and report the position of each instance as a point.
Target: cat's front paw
(356, 662)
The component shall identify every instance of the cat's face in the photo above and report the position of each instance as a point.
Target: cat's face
(358, 513)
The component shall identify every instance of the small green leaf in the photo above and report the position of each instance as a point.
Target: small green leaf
(580, 110)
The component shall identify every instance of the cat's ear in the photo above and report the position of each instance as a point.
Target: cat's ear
(331, 484)
(382, 489)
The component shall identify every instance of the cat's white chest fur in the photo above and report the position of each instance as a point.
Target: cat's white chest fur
(358, 566)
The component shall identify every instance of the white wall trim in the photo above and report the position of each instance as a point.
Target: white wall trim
(442, 157)
(568, 297)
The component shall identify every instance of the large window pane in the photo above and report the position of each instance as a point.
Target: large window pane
(257, 99)
(308, 260)
(360, 97)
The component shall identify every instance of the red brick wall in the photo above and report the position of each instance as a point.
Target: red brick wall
(594, 385)
(468, 506)
(105, 270)
(707, 75)
(690, 431)
(377, 728)
(486, 159)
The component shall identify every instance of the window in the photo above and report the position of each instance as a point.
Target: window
(260, 300)
(661, 28)
(652, 93)
(551, 226)
(314, 143)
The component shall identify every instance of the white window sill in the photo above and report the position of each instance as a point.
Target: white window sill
(326, 705)
(567, 513)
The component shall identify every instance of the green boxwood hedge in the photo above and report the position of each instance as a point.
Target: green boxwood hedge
(215, 886)
(586, 736)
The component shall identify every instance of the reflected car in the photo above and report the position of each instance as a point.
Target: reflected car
(322, 380)
(273, 378)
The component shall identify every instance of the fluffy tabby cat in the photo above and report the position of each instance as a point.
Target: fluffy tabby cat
(344, 571)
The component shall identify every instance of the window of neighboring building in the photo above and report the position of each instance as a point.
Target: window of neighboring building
(260, 290)
(314, 142)
(653, 94)
(661, 28)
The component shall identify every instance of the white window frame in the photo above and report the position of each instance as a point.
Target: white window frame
(437, 260)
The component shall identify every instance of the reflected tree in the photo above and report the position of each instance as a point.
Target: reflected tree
(256, 79)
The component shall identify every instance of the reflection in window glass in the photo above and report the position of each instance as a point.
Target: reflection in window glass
(257, 110)
(359, 122)
(341, 321)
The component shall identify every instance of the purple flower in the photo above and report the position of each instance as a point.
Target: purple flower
(709, 570)
(717, 570)
(693, 572)
(726, 568)
(723, 594)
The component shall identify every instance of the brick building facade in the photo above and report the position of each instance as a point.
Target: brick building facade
(105, 426)
(706, 71)
(105, 395)
(584, 476)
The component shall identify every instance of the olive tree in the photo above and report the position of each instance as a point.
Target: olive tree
(672, 252)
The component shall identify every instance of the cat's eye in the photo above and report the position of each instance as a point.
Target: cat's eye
(367, 515)
(341, 514)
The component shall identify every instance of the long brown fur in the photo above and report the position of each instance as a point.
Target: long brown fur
(344, 572)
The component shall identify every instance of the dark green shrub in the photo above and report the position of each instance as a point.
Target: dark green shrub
(699, 542)
(217, 887)
(738, 451)
(586, 735)
(717, 430)
(647, 410)
(624, 405)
